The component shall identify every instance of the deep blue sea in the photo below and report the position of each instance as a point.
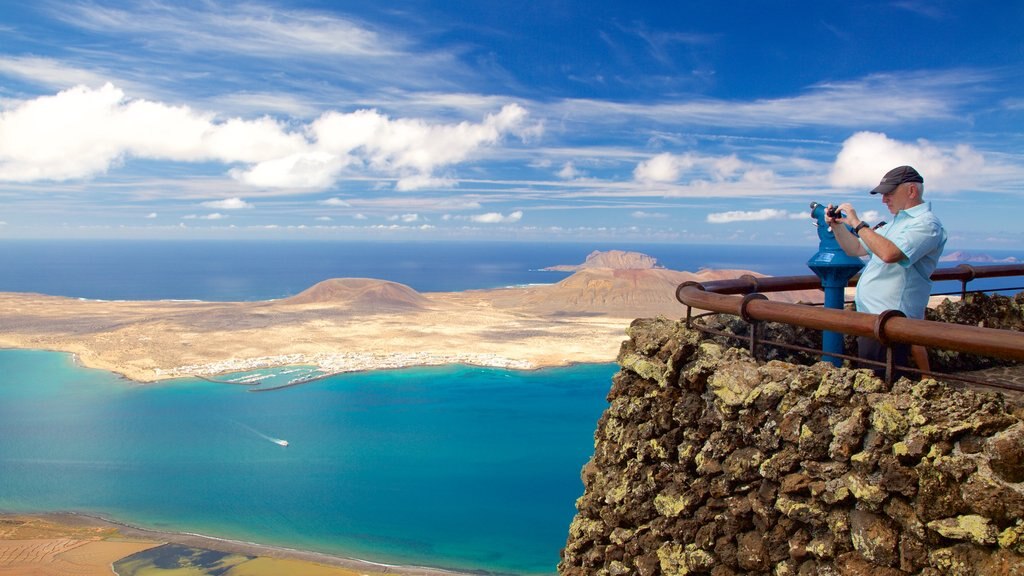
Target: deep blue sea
(255, 270)
(454, 466)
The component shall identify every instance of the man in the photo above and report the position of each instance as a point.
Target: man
(903, 255)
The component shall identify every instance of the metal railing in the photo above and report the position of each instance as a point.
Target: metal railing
(744, 297)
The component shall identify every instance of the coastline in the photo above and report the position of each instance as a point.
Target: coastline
(69, 526)
(328, 364)
(352, 325)
(341, 363)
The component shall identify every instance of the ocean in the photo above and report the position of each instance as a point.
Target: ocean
(455, 466)
(259, 270)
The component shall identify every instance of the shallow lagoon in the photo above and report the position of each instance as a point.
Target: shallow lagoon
(459, 467)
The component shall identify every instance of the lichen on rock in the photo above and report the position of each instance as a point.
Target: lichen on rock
(710, 462)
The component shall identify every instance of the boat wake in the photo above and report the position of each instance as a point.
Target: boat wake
(278, 441)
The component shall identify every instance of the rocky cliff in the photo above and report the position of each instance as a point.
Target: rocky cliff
(616, 259)
(709, 462)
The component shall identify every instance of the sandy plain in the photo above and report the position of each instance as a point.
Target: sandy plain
(78, 545)
(343, 325)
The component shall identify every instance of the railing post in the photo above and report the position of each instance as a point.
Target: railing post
(689, 309)
(753, 338)
(890, 364)
(971, 275)
(750, 319)
(881, 336)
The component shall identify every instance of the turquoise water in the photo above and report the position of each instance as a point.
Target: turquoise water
(455, 466)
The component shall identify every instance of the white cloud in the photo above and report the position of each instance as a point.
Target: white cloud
(228, 204)
(726, 166)
(421, 181)
(569, 172)
(324, 219)
(308, 170)
(360, 217)
(54, 74)
(641, 215)
(407, 218)
(664, 167)
(871, 215)
(498, 218)
(254, 29)
(335, 202)
(748, 215)
(866, 157)
(260, 103)
(214, 216)
(151, 216)
(876, 100)
(668, 168)
(83, 132)
(456, 204)
(413, 148)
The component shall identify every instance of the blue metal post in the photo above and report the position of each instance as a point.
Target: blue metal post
(835, 268)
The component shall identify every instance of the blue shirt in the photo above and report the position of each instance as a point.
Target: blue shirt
(904, 285)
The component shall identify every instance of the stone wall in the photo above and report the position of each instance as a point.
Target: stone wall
(707, 462)
(988, 311)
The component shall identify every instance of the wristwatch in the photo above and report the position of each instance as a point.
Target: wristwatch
(860, 227)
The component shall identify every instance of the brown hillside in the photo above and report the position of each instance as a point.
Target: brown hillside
(361, 294)
(620, 293)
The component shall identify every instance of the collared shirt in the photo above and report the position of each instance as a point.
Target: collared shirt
(904, 285)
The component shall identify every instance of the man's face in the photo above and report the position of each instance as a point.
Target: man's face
(899, 198)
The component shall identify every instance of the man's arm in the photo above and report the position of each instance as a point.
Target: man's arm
(876, 243)
(881, 246)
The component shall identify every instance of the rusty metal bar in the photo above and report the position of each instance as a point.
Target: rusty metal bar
(717, 296)
(747, 283)
(950, 377)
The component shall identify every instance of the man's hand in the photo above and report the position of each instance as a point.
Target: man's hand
(848, 215)
(847, 241)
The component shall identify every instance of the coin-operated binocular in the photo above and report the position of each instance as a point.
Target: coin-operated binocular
(835, 268)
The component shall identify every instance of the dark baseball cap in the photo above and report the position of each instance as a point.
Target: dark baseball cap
(895, 177)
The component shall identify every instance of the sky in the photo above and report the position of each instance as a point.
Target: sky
(552, 120)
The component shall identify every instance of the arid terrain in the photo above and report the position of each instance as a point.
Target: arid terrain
(349, 324)
(72, 544)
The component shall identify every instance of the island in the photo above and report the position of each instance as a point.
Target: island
(354, 324)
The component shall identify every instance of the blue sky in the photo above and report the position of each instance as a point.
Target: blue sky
(597, 120)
